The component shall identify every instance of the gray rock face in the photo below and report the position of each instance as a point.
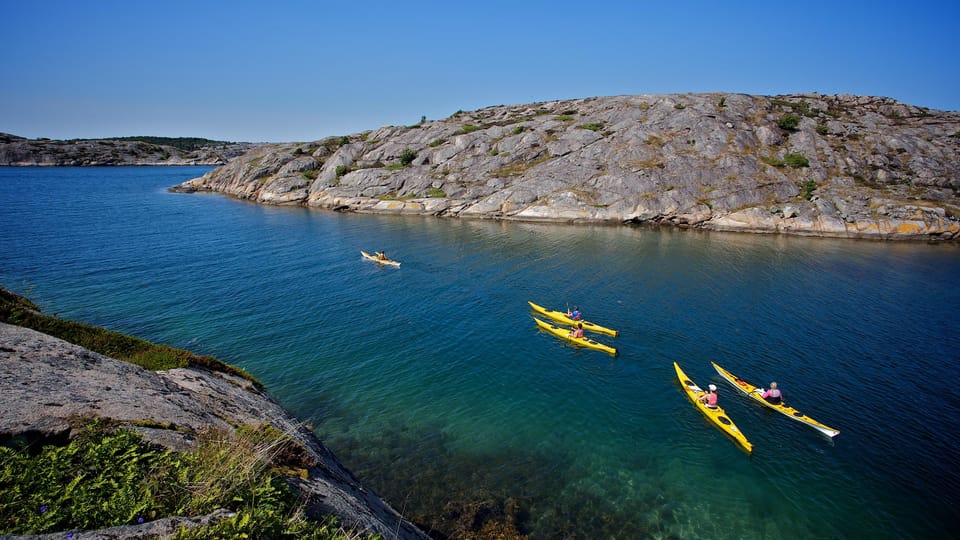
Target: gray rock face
(45, 382)
(702, 160)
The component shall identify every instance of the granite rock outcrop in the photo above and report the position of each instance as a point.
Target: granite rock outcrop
(821, 165)
(21, 152)
(46, 384)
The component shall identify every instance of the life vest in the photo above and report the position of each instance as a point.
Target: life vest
(712, 400)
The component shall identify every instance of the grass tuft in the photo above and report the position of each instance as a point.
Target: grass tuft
(21, 312)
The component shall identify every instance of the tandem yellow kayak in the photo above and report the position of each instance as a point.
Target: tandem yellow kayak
(561, 317)
(564, 333)
(378, 259)
(716, 414)
(751, 391)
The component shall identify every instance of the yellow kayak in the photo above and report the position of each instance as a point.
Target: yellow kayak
(560, 316)
(377, 259)
(564, 333)
(751, 391)
(715, 415)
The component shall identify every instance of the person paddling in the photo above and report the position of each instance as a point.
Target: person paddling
(577, 332)
(574, 315)
(773, 395)
(709, 398)
(382, 255)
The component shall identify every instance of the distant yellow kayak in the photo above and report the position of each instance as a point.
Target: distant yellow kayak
(716, 414)
(784, 409)
(564, 333)
(377, 259)
(561, 317)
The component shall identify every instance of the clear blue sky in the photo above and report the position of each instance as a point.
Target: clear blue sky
(302, 70)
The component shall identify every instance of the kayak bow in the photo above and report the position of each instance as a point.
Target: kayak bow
(561, 317)
(564, 333)
(715, 415)
(784, 409)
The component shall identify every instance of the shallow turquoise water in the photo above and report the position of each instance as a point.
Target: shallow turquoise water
(432, 382)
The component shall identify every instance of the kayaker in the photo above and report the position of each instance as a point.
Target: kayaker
(575, 314)
(772, 395)
(577, 332)
(710, 398)
(382, 255)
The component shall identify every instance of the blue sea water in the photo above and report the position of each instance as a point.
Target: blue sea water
(433, 384)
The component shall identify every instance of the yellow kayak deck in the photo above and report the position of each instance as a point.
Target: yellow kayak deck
(561, 317)
(377, 259)
(751, 391)
(716, 415)
(564, 333)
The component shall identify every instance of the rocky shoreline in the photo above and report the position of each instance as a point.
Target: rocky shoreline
(21, 152)
(47, 384)
(808, 164)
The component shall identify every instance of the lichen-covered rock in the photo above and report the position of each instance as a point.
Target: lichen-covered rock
(702, 160)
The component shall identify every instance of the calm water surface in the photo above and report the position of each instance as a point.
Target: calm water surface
(433, 384)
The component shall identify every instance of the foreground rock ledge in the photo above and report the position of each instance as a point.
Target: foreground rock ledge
(809, 164)
(45, 382)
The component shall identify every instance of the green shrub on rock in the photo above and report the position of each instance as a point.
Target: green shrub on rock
(789, 122)
(407, 156)
(796, 160)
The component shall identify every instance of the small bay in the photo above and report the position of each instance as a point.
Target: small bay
(432, 383)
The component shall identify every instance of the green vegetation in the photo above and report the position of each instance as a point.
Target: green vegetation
(806, 191)
(789, 122)
(592, 126)
(722, 103)
(109, 476)
(564, 118)
(800, 107)
(342, 170)
(569, 112)
(518, 130)
(436, 143)
(467, 128)
(343, 140)
(679, 106)
(395, 167)
(21, 312)
(407, 156)
(822, 129)
(310, 175)
(773, 161)
(436, 193)
(796, 160)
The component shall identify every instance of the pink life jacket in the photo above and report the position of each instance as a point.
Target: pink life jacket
(712, 400)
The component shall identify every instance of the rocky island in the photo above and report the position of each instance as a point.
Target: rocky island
(23, 152)
(810, 164)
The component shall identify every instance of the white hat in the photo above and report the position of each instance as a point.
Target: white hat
(712, 387)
